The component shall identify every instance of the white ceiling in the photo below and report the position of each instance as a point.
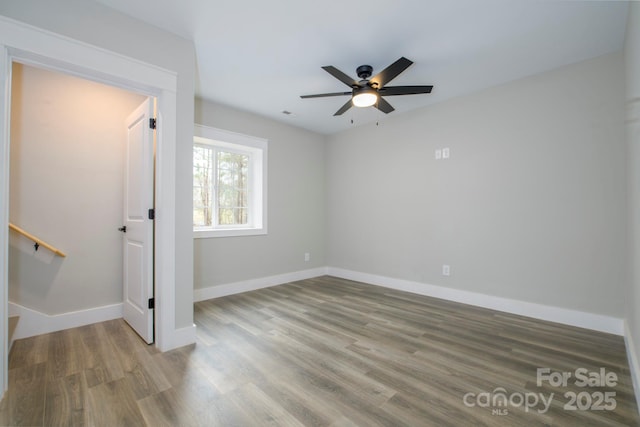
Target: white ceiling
(260, 56)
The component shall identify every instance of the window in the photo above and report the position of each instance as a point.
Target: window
(229, 183)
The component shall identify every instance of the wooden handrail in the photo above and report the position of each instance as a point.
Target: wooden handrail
(37, 241)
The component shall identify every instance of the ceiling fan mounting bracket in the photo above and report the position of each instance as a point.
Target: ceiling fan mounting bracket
(364, 71)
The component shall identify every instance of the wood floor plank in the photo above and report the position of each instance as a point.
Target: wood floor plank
(113, 404)
(222, 411)
(124, 343)
(5, 411)
(100, 360)
(65, 354)
(326, 387)
(27, 395)
(335, 370)
(317, 352)
(168, 408)
(64, 402)
(185, 377)
(275, 375)
(260, 409)
(29, 351)
(343, 422)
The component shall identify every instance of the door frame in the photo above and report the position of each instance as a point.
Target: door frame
(33, 46)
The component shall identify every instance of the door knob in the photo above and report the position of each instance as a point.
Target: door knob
(123, 229)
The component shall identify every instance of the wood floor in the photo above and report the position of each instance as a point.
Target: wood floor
(321, 352)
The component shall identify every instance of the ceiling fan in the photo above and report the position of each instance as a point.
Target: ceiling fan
(369, 91)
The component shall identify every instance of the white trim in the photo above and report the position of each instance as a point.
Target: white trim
(33, 322)
(228, 137)
(5, 109)
(597, 322)
(183, 336)
(254, 284)
(206, 233)
(165, 222)
(634, 363)
(70, 56)
(564, 316)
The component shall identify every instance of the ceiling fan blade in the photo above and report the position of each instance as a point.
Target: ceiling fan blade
(321, 95)
(404, 90)
(383, 106)
(341, 76)
(391, 72)
(344, 108)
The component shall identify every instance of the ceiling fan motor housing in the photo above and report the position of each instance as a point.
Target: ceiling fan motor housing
(364, 71)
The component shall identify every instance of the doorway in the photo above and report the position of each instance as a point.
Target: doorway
(67, 185)
(25, 44)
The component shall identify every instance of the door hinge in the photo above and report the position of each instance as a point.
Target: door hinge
(152, 214)
(152, 123)
(152, 303)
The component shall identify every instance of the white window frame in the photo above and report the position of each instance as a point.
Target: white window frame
(257, 203)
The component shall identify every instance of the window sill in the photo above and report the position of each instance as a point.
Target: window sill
(228, 232)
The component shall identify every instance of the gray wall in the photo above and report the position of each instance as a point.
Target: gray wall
(632, 63)
(296, 205)
(67, 167)
(530, 206)
(98, 25)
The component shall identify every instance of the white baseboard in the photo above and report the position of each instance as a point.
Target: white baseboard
(565, 316)
(634, 363)
(33, 322)
(597, 322)
(180, 338)
(253, 284)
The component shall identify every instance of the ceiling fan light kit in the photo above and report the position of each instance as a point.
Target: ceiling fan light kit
(369, 91)
(365, 97)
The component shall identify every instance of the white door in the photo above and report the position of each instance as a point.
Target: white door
(138, 223)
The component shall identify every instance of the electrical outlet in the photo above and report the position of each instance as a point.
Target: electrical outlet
(445, 153)
(307, 257)
(438, 154)
(446, 270)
